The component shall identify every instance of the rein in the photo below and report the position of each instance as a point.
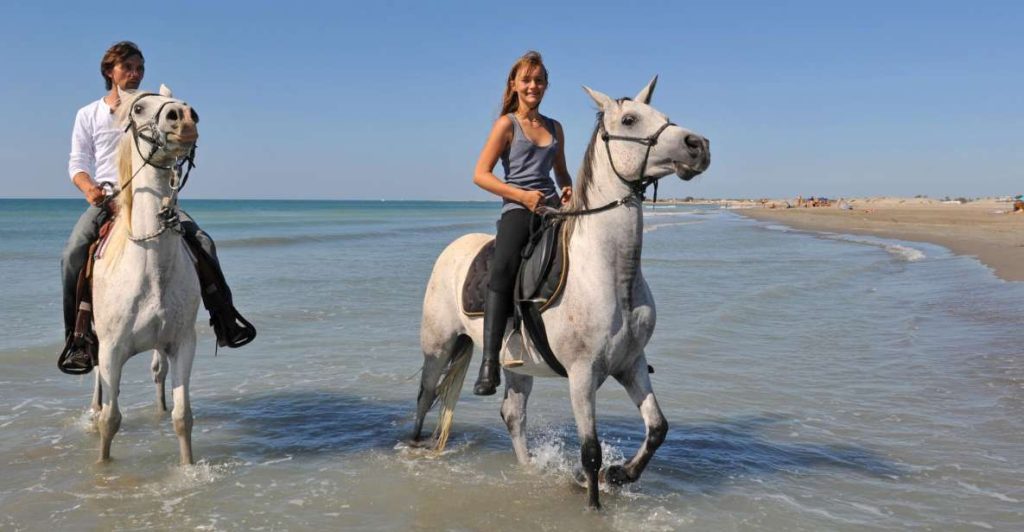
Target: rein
(168, 215)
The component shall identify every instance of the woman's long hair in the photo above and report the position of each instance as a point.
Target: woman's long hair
(510, 101)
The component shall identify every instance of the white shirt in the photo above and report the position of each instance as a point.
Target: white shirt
(94, 143)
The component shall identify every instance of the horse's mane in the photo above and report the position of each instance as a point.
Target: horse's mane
(123, 221)
(584, 179)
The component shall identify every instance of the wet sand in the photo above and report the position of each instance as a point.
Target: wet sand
(983, 229)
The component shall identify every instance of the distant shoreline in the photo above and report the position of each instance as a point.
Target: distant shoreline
(984, 229)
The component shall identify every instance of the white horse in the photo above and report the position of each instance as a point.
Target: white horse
(145, 287)
(605, 315)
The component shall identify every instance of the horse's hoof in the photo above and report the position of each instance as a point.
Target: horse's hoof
(616, 476)
(579, 477)
(418, 444)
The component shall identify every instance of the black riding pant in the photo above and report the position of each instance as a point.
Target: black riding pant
(514, 230)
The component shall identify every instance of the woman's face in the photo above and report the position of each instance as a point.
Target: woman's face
(529, 85)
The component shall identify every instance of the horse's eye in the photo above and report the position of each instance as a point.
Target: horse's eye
(628, 120)
(138, 109)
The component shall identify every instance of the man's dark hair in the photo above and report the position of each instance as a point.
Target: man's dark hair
(117, 53)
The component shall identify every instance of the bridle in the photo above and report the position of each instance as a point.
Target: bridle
(638, 186)
(150, 132)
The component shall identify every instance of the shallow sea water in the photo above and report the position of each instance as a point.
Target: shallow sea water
(811, 382)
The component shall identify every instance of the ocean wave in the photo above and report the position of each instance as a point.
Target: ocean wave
(906, 253)
(654, 227)
(899, 251)
(660, 213)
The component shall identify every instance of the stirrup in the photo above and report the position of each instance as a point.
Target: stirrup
(77, 358)
(233, 332)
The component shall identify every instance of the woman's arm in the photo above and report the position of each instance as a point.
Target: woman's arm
(483, 175)
(562, 177)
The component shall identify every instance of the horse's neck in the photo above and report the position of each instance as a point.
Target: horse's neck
(611, 241)
(150, 188)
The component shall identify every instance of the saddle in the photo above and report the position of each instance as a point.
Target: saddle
(539, 284)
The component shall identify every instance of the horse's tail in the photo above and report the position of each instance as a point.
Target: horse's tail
(449, 389)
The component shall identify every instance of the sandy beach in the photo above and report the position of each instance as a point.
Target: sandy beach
(982, 228)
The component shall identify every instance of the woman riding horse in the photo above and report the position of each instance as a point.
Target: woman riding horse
(529, 145)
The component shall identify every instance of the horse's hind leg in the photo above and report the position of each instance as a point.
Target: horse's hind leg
(109, 420)
(181, 374)
(637, 383)
(433, 367)
(582, 391)
(513, 411)
(159, 371)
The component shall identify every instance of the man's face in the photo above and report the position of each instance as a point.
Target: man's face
(128, 73)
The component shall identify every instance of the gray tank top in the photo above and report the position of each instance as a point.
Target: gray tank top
(528, 166)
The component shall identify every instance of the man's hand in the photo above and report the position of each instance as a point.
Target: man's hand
(94, 195)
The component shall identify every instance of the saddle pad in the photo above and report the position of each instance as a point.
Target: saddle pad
(474, 289)
(551, 265)
(101, 242)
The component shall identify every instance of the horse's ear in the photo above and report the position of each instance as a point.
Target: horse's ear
(644, 96)
(165, 91)
(602, 99)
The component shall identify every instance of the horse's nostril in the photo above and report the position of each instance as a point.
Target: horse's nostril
(693, 141)
(172, 115)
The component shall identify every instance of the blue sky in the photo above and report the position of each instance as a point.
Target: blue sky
(393, 100)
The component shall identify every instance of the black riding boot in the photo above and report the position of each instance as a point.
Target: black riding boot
(231, 328)
(496, 312)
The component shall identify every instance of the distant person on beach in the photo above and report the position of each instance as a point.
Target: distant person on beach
(92, 166)
(1018, 204)
(529, 145)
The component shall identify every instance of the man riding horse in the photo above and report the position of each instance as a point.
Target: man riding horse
(92, 166)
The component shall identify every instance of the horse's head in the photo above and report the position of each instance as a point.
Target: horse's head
(162, 127)
(643, 144)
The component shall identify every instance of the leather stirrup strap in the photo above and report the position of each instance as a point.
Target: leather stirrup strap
(534, 326)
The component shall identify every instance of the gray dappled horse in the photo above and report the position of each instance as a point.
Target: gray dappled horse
(605, 315)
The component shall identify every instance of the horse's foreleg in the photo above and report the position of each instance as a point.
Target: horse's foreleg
(637, 383)
(181, 415)
(513, 411)
(109, 419)
(582, 390)
(159, 370)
